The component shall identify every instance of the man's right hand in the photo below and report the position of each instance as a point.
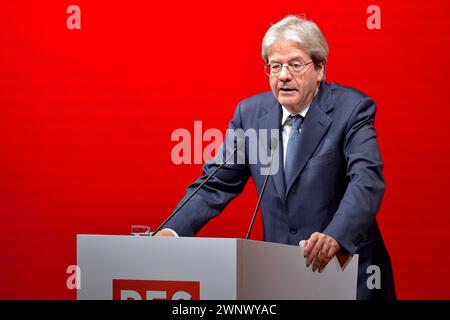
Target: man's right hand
(165, 233)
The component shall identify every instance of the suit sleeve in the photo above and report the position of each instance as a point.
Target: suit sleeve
(362, 198)
(217, 192)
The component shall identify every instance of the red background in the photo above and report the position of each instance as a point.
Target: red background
(86, 118)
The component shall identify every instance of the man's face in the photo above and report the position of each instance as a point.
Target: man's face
(293, 90)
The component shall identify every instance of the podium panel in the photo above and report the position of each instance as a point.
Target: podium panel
(130, 267)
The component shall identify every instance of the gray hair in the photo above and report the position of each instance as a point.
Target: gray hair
(301, 30)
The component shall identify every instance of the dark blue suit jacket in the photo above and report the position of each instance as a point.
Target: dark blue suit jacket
(338, 185)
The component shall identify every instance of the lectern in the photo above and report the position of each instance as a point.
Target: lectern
(133, 267)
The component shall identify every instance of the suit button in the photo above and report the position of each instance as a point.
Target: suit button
(358, 240)
(293, 230)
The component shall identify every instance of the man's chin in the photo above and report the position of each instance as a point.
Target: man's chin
(290, 104)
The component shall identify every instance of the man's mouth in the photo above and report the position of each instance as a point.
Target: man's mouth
(287, 89)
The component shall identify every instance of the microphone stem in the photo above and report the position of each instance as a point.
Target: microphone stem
(260, 197)
(194, 192)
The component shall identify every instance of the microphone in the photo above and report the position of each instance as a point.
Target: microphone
(195, 191)
(273, 146)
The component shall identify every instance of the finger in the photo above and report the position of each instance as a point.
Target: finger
(310, 244)
(331, 251)
(324, 263)
(316, 262)
(322, 256)
(314, 252)
(302, 243)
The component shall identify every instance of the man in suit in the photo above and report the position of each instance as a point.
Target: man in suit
(329, 185)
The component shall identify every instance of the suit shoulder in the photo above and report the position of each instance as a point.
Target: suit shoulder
(349, 103)
(347, 99)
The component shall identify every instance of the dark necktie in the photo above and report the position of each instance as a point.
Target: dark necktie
(292, 148)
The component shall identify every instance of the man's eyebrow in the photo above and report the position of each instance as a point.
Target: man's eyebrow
(295, 58)
(299, 58)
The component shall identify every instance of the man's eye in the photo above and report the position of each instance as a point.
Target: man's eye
(296, 65)
(275, 67)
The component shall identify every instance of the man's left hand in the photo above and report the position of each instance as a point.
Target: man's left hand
(320, 249)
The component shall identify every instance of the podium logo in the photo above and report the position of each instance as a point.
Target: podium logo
(155, 290)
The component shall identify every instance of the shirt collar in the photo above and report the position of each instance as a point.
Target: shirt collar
(287, 113)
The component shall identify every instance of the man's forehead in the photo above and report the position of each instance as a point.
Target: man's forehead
(286, 50)
(288, 57)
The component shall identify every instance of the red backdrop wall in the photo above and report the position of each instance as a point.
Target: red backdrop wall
(86, 118)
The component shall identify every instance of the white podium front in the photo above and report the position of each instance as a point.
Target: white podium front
(130, 267)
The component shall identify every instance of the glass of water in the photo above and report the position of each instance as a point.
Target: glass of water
(140, 230)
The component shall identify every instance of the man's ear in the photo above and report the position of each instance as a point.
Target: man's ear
(321, 72)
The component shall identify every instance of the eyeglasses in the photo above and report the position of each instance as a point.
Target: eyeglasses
(274, 69)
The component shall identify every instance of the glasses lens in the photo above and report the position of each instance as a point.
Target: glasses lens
(296, 67)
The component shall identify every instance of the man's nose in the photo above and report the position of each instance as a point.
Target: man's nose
(285, 75)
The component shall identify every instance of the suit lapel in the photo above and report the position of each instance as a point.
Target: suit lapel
(272, 120)
(315, 126)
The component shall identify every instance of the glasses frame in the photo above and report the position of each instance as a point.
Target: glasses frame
(288, 66)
